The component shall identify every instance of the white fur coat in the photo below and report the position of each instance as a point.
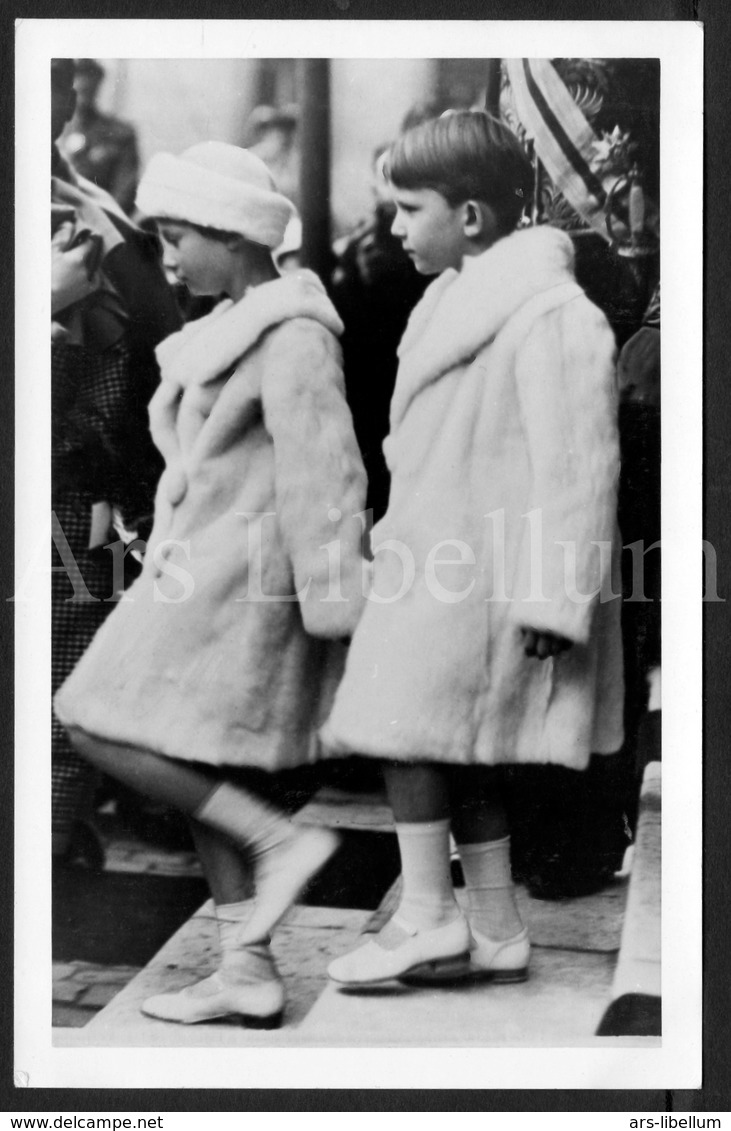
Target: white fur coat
(504, 407)
(200, 660)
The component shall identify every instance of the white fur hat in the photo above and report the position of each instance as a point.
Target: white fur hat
(216, 185)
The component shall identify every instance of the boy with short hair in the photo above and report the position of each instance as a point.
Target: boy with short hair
(485, 639)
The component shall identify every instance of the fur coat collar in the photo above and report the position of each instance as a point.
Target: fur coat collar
(212, 345)
(462, 311)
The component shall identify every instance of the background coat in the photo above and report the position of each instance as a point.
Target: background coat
(210, 656)
(505, 407)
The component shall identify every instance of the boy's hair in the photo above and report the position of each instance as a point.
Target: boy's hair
(465, 155)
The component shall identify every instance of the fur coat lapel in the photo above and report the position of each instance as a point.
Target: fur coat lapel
(210, 346)
(462, 311)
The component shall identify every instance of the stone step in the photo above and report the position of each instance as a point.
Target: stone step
(560, 1005)
(638, 969)
(339, 809)
(575, 945)
(330, 807)
(574, 954)
(303, 947)
(574, 970)
(636, 988)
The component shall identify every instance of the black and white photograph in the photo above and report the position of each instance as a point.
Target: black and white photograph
(341, 738)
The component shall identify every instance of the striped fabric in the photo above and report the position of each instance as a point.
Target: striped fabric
(563, 139)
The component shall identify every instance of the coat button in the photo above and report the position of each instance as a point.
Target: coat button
(162, 553)
(177, 486)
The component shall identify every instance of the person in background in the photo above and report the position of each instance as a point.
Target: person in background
(638, 370)
(274, 140)
(477, 646)
(374, 288)
(110, 306)
(101, 148)
(214, 675)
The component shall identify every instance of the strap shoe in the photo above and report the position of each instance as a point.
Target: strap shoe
(400, 948)
(487, 960)
(257, 1005)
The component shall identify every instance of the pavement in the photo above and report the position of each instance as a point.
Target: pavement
(577, 967)
(82, 989)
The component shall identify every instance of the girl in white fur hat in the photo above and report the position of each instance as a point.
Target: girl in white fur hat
(222, 659)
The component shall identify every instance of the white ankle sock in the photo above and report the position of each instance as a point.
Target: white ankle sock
(285, 855)
(242, 963)
(230, 918)
(427, 899)
(245, 818)
(489, 882)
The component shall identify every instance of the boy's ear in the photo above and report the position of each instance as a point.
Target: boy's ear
(473, 219)
(479, 223)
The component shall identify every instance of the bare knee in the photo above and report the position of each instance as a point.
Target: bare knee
(417, 791)
(94, 749)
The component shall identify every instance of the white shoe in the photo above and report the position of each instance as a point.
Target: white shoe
(499, 962)
(282, 873)
(257, 1005)
(400, 948)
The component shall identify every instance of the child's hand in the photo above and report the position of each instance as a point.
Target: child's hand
(544, 644)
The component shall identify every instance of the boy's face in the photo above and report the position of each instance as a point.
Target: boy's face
(430, 229)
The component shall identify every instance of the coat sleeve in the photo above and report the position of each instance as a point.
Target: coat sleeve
(319, 478)
(567, 392)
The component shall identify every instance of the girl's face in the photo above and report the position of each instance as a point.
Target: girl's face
(430, 229)
(203, 264)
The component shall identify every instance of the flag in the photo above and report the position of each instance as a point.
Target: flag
(563, 138)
